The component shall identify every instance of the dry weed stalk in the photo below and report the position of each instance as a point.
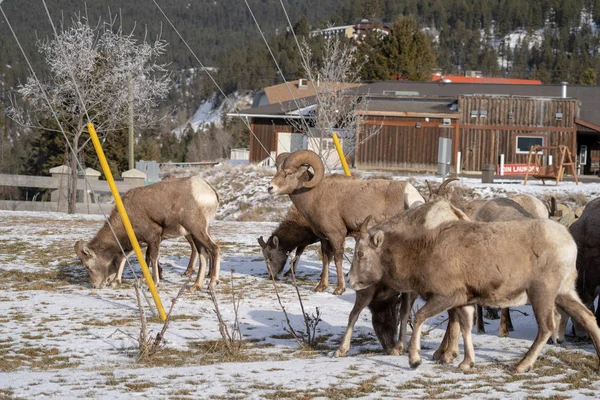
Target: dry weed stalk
(311, 321)
(233, 340)
(149, 346)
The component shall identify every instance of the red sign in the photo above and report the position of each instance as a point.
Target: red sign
(516, 169)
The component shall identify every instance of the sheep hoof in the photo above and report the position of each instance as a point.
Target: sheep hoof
(519, 369)
(188, 272)
(320, 288)
(466, 365)
(396, 352)
(503, 333)
(415, 364)
(340, 353)
(338, 291)
(115, 284)
(194, 287)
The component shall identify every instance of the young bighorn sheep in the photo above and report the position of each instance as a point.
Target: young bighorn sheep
(530, 259)
(428, 216)
(586, 232)
(166, 209)
(514, 207)
(294, 233)
(336, 207)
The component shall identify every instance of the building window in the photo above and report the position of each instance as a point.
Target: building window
(524, 143)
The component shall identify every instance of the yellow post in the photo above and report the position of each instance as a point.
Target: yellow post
(340, 152)
(126, 222)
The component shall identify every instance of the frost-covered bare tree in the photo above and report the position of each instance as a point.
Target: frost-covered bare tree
(333, 77)
(92, 71)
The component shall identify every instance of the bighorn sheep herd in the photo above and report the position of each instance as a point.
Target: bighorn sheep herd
(455, 254)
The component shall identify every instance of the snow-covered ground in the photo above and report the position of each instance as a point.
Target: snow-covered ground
(59, 338)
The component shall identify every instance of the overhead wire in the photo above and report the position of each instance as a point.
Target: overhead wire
(214, 81)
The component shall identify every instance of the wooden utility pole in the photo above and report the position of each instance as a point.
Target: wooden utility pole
(131, 136)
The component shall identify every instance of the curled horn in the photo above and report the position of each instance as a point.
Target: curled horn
(280, 159)
(441, 189)
(310, 158)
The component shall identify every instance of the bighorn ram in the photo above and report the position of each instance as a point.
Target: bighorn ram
(428, 215)
(170, 208)
(462, 263)
(336, 207)
(586, 232)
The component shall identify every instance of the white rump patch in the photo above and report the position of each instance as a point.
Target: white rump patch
(412, 196)
(438, 214)
(203, 193)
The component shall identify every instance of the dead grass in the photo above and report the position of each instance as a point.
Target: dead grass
(34, 358)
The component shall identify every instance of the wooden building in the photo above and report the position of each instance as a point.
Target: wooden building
(403, 122)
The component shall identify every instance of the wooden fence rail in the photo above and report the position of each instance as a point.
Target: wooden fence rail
(90, 206)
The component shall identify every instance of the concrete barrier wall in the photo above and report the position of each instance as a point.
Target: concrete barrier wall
(48, 206)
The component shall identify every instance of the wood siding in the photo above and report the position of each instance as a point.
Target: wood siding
(266, 132)
(483, 139)
(400, 146)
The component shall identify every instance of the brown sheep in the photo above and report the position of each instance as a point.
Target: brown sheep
(523, 260)
(169, 208)
(335, 207)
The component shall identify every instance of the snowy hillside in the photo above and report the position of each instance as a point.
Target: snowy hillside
(209, 112)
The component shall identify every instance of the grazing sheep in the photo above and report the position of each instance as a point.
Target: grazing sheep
(586, 232)
(294, 232)
(166, 209)
(522, 260)
(336, 207)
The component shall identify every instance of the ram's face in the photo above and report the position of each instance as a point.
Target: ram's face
(287, 180)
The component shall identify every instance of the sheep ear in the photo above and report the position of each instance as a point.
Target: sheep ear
(83, 251)
(377, 238)
(461, 215)
(364, 227)
(261, 242)
(276, 242)
(301, 170)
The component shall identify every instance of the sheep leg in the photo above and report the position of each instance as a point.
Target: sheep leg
(570, 303)
(505, 323)
(204, 242)
(406, 304)
(558, 335)
(544, 315)
(327, 254)
(295, 261)
(363, 299)
(193, 257)
(480, 324)
(116, 282)
(435, 305)
(338, 255)
(465, 318)
(152, 260)
(448, 349)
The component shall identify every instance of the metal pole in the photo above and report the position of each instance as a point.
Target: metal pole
(126, 222)
(341, 154)
(131, 138)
